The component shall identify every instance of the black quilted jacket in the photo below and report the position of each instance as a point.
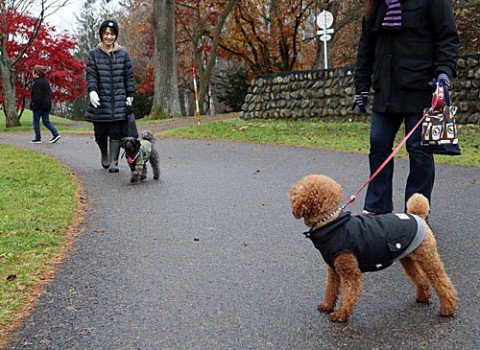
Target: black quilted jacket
(111, 76)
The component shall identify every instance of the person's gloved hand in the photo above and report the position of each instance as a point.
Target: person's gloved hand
(361, 102)
(129, 101)
(444, 81)
(94, 99)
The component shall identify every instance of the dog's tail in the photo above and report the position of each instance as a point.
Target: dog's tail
(418, 204)
(147, 135)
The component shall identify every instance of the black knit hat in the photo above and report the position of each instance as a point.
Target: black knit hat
(109, 24)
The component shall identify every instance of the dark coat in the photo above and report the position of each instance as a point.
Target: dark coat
(111, 76)
(41, 99)
(376, 241)
(403, 61)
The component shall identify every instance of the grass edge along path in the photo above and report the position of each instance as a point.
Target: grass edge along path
(339, 136)
(41, 204)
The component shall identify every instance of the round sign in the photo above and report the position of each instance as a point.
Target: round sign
(325, 19)
(325, 37)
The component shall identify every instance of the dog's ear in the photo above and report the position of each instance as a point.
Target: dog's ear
(122, 142)
(296, 200)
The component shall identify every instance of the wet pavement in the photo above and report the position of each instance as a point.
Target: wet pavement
(210, 257)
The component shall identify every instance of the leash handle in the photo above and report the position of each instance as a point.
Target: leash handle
(380, 168)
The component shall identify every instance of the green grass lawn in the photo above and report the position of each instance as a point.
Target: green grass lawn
(345, 136)
(37, 205)
(63, 125)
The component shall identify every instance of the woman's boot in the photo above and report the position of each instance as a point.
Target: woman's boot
(114, 153)
(103, 145)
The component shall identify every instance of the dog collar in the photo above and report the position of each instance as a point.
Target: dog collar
(132, 160)
(321, 221)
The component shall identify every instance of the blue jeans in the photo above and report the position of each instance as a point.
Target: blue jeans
(45, 116)
(383, 128)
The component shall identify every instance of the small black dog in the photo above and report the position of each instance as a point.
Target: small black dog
(138, 153)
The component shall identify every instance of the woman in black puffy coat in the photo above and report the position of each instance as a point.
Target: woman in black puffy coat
(111, 87)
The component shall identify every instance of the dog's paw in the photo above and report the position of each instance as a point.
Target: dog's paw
(323, 307)
(423, 298)
(423, 294)
(134, 177)
(338, 317)
(156, 177)
(423, 301)
(447, 309)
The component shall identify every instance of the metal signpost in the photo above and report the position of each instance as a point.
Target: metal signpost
(324, 22)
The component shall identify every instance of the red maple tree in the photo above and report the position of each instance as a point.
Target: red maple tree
(66, 73)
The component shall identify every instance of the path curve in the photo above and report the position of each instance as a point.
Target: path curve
(209, 257)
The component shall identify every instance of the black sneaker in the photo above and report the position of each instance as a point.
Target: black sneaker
(36, 141)
(55, 139)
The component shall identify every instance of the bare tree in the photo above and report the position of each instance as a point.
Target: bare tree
(200, 34)
(43, 9)
(166, 100)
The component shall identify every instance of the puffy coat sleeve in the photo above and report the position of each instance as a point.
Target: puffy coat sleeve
(129, 81)
(445, 36)
(92, 72)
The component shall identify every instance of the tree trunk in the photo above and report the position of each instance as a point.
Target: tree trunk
(204, 74)
(166, 100)
(8, 93)
(7, 63)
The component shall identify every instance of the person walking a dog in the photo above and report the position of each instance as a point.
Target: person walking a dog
(111, 87)
(404, 45)
(41, 104)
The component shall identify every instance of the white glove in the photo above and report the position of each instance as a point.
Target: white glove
(94, 99)
(129, 101)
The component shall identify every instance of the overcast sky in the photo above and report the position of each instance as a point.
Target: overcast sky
(64, 18)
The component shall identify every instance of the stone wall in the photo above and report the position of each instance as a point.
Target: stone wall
(328, 94)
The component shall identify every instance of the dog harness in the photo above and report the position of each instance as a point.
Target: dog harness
(376, 241)
(143, 155)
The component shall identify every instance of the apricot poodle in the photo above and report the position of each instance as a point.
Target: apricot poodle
(351, 245)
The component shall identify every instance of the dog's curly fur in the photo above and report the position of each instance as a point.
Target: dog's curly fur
(315, 197)
(133, 152)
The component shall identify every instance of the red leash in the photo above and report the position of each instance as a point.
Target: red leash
(438, 100)
(352, 198)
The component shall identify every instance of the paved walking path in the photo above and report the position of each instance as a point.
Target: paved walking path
(210, 257)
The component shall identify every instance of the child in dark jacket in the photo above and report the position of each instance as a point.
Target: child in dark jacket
(41, 104)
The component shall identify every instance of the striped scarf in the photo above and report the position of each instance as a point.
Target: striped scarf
(393, 17)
